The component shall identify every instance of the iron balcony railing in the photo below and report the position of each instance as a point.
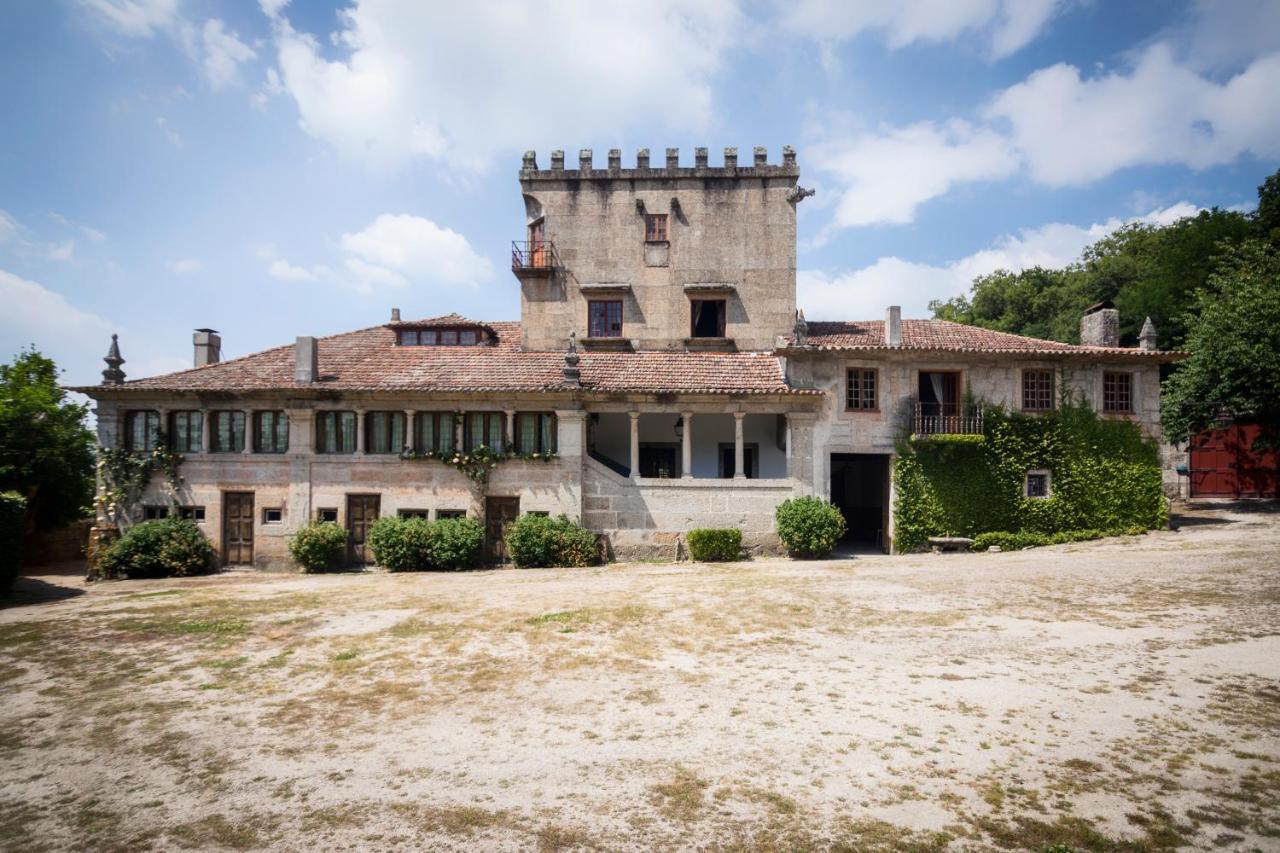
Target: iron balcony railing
(946, 419)
(533, 256)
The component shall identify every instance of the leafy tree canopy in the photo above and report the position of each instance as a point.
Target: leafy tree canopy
(46, 451)
(1235, 348)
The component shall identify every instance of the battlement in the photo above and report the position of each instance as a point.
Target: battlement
(645, 170)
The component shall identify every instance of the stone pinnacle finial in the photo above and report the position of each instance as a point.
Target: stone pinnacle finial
(113, 375)
(801, 330)
(572, 375)
(1147, 337)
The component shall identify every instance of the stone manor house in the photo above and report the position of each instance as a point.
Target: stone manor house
(659, 379)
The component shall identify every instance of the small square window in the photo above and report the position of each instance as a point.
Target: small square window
(191, 513)
(707, 318)
(152, 513)
(1037, 484)
(604, 319)
(424, 514)
(451, 513)
(655, 227)
(272, 515)
(327, 514)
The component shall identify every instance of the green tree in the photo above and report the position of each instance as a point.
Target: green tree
(1266, 218)
(1235, 349)
(46, 451)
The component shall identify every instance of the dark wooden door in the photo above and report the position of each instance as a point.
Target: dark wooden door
(362, 512)
(498, 513)
(237, 528)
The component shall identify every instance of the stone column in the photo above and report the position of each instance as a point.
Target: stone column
(800, 462)
(739, 468)
(571, 441)
(511, 428)
(686, 445)
(248, 431)
(359, 432)
(410, 437)
(635, 444)
(163, 411)
(206, 430)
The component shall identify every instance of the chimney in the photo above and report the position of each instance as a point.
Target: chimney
(1100, 326)
(208, 347)
(395, 315)
(307, 364)
(1147, 337)
(893, 326)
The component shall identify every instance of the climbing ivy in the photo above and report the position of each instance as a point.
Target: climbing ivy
(1105, 475)
(123, 476)
(478, 462)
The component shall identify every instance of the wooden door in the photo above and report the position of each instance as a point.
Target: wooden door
(362, 512)
(237, 528)
(537, 245)
(498, 513)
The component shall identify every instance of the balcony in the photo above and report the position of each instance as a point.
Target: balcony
(946, 419)
(533, 258)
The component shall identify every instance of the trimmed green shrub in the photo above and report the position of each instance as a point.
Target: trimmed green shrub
(401, 544)
(13, 512)
(455, 543)
(321, 546)
(809, 526)
(1009, 541)
(715, 545)
(167, 548)
(539, 541)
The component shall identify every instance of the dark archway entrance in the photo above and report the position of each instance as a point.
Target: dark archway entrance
(860, 488)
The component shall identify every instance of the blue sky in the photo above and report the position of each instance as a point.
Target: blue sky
(274, 169)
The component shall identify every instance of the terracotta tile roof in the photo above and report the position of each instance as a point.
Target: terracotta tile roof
(369, 360)
(944, 335)
(444, 321)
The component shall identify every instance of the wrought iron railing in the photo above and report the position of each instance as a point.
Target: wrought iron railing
(533, 255)
(946, 419)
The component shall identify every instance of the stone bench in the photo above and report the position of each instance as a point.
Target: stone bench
(939, 544)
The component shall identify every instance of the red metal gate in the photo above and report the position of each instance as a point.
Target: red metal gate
(1223, 466)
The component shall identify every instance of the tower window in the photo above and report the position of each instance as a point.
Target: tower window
(707, 318)
(655, 227)
(605, 319)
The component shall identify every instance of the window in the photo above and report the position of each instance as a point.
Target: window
(484, 428)
(335, 432)
(152, 513)
(226, 432)
(707, 318)
(1117, 392)
(424, 514)
(538, 513)
(186, 432)
(451, 513)
(1037, 484)
(270, 432)
(655, 227)
(384, 432)
(191, 513)
(435, 431)
(439, 337)
(535, 432)
(272, 515)
(1037, 390)
(604, 319)
(141, 430)
(329, 514)
(861, 391)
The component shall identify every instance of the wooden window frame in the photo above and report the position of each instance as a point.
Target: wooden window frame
(655, 228)
(424, 514)
(192, 513)
(215, 420)
(849, 392)
(327, 418)
(267, 511)
(387, 431)
(721, 324)
(1111, 393)
(260, 433)
(421, 419)
(325, 510)
(151, 431)
(194, 442)
(607, 306)
(1038, 390)
(450, 513)
(468, 440)
(443, 337)
(1048, 484)
(545, 430)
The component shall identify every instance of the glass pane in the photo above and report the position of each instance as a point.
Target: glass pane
(527, 425)
(428, 338)
(445, 438)
(397, 433)
(347, 427)
(495, 432)
(426, 425)
(475, 430)
(377, 432)
(549, 433)
(282, 432)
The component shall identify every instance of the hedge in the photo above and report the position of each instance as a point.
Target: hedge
(415, 544)
(1105, 476)
(539, 541)
(1016, 541)
(715, 544)
(809, 526)
(167, 548)
(321, 546)
(13, 512)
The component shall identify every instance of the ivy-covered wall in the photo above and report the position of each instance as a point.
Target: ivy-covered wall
(1105, 476)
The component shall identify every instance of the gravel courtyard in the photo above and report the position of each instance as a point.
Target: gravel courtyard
(1113, 695)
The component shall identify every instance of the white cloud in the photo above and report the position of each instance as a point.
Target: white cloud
(415, 249)
(36, 315)
(138, 18)
(185, 266)
(534, 74)
(1074, 130)
(220, 53)
(92, 233)
(285, 271)
(1006, 26)
(1224, 33)
(864, 294)
(8, 227)
(885, 176)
